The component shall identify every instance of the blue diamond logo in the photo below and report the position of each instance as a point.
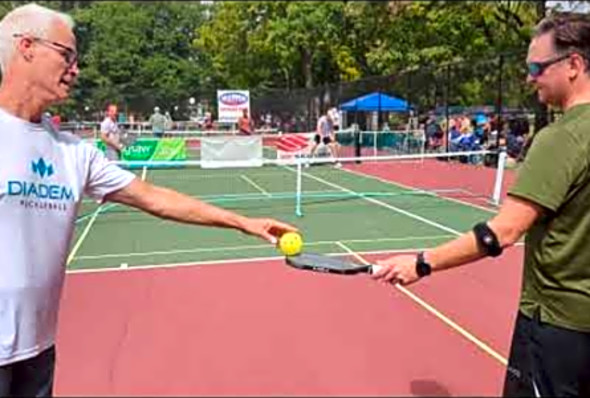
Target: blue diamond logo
(42, 168)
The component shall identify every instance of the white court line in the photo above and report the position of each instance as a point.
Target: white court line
(217, 262)
(258, 187)
(395, 183)
(229, 261)
(83, 236)
(386, 205)
(246, 247)
(454, 325)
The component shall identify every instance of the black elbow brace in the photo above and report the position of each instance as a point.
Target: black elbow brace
(487, 241)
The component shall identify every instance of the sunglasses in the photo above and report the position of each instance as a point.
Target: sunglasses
(68, 53)
(536, 69)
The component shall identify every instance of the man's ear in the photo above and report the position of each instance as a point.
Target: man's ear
(578, 65)
(25, 47)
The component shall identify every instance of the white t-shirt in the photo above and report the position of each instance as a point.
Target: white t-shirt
(110, 128)
(324, 127)
(335, 115)
(43, 176)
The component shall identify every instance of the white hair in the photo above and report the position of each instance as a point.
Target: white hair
(31, 19)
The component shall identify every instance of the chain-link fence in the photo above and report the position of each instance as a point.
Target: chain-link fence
(495, 88)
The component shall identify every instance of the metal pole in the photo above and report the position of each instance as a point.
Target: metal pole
(298, 211)
(379, 111)
(497, 194)
(499, 103)
(447, 96)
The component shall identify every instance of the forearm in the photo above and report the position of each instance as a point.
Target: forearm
(111, 142)
(454, 253)
(465, 249)
(171, 205)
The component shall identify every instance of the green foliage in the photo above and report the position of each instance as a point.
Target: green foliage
(137, 54)
(140, 54)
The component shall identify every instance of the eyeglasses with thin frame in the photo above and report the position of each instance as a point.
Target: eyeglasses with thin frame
(536, 69)
(68, 53)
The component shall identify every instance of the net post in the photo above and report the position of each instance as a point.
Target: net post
(357, 140)
(499, 177)
(298, 212)
(375, 143)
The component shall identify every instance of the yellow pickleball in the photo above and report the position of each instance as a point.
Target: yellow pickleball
(291, 244)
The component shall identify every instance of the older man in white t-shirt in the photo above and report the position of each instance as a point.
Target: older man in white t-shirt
(43, 177)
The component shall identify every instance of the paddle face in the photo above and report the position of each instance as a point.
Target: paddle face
(322, 263)
(127, 138)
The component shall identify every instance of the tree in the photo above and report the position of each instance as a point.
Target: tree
(136, 54)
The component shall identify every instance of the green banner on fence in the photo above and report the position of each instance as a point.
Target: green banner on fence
(153, 149)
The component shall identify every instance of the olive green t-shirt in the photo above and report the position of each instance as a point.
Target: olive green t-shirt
(555, 175)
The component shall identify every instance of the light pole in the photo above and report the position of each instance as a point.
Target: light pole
(86, 112)
(191, 107)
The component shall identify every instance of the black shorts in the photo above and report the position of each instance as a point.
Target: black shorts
(326, 140)
(557, 359)
(31, 377)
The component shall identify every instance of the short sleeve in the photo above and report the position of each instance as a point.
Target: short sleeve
(107, 126)
(104, 177)
(553, 163)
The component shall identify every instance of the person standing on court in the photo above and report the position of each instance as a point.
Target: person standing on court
(325, 135)
(110, 134)
(43, 176)
(158, 122)
(550, 202)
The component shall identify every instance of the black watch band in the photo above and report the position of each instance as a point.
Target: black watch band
(422, 267)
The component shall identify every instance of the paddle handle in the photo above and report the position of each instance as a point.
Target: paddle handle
(375, 268)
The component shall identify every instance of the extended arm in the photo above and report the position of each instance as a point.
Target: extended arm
(172, 205)
(515, 217)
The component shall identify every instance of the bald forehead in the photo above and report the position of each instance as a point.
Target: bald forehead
(61, 33)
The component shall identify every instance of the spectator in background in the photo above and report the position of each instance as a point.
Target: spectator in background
(158, 122)
(208, 124)
(494, 129)
(454, 136)
(56, 121)
(245, 124)
(479, 123)
(434, 133)
(516, 137)
(169, 123)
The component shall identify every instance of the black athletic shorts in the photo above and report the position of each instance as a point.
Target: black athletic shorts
(326, 140)
(547, 360)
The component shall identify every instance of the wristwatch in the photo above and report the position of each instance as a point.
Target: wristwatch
(422, 267)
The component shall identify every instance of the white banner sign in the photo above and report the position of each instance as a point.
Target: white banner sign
(231, 103)
(231, 151)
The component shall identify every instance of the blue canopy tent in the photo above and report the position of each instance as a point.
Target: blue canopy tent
(376, 102)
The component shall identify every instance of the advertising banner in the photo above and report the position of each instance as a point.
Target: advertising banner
(230, 104)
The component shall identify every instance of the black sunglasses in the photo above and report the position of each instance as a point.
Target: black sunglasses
(536, 69)
(69, 54)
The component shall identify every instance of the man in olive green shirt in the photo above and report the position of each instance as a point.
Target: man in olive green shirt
(550, 201)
